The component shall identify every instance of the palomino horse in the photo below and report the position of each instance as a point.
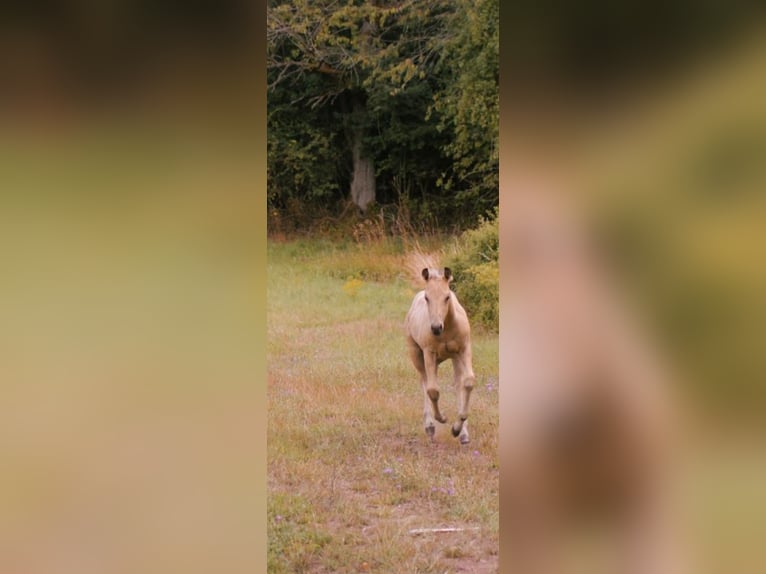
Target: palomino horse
(438, 329)
(586, 423)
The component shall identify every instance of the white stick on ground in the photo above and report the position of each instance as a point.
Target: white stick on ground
(440, 530)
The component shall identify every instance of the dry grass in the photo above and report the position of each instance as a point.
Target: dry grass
(351, 470)
(417, 260)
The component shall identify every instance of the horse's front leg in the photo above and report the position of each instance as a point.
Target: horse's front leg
(432, 387)
(417, 356)
(428, 418)
(464, 381)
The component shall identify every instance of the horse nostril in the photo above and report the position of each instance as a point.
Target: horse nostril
(436, 329)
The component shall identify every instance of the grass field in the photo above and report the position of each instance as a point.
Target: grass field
(350, 469)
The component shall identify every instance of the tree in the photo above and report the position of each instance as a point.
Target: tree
(342, 55)
(470, 102)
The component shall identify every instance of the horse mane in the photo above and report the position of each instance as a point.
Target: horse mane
(416, 260)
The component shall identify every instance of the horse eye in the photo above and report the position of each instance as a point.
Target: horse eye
(426, 298)
(446, 298)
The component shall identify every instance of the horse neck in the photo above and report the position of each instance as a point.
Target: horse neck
(448, 318)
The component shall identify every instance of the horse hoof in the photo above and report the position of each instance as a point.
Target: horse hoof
(455, 430)
(464, 439)
(442, 419)
(430, 431)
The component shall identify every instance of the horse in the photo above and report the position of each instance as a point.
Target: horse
(588, 424)
(437, 329)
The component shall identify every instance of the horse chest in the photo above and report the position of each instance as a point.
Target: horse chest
(447, 349)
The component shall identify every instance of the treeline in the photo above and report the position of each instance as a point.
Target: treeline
(383, 105)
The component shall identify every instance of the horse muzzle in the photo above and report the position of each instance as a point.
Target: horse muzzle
(437, 329)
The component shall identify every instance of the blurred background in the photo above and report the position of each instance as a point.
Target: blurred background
(656, 114)
(132, 295)
(132, 220)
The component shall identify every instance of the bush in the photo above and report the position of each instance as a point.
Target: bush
(474, 262)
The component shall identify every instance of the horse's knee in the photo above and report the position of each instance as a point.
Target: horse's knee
(468, 383)
(433, 394)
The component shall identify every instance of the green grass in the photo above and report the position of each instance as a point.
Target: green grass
(350, 469)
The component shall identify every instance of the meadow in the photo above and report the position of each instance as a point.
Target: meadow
(351, 471)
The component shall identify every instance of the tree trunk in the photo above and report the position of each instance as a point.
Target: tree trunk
(363, 179)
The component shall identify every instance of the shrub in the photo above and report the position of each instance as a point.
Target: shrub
(473, 259)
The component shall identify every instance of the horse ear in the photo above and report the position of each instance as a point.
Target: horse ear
(424, 273)
(448, 274)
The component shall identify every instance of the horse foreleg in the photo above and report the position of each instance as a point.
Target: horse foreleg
(432, 388)
(417, 357)
(464, 381)
(428, 419)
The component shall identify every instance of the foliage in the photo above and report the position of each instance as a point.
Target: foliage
(302, 162)
(372, 46)
(470, 103)
(474, 262)
(398, 77)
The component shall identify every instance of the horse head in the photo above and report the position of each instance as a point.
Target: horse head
(438, 297)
